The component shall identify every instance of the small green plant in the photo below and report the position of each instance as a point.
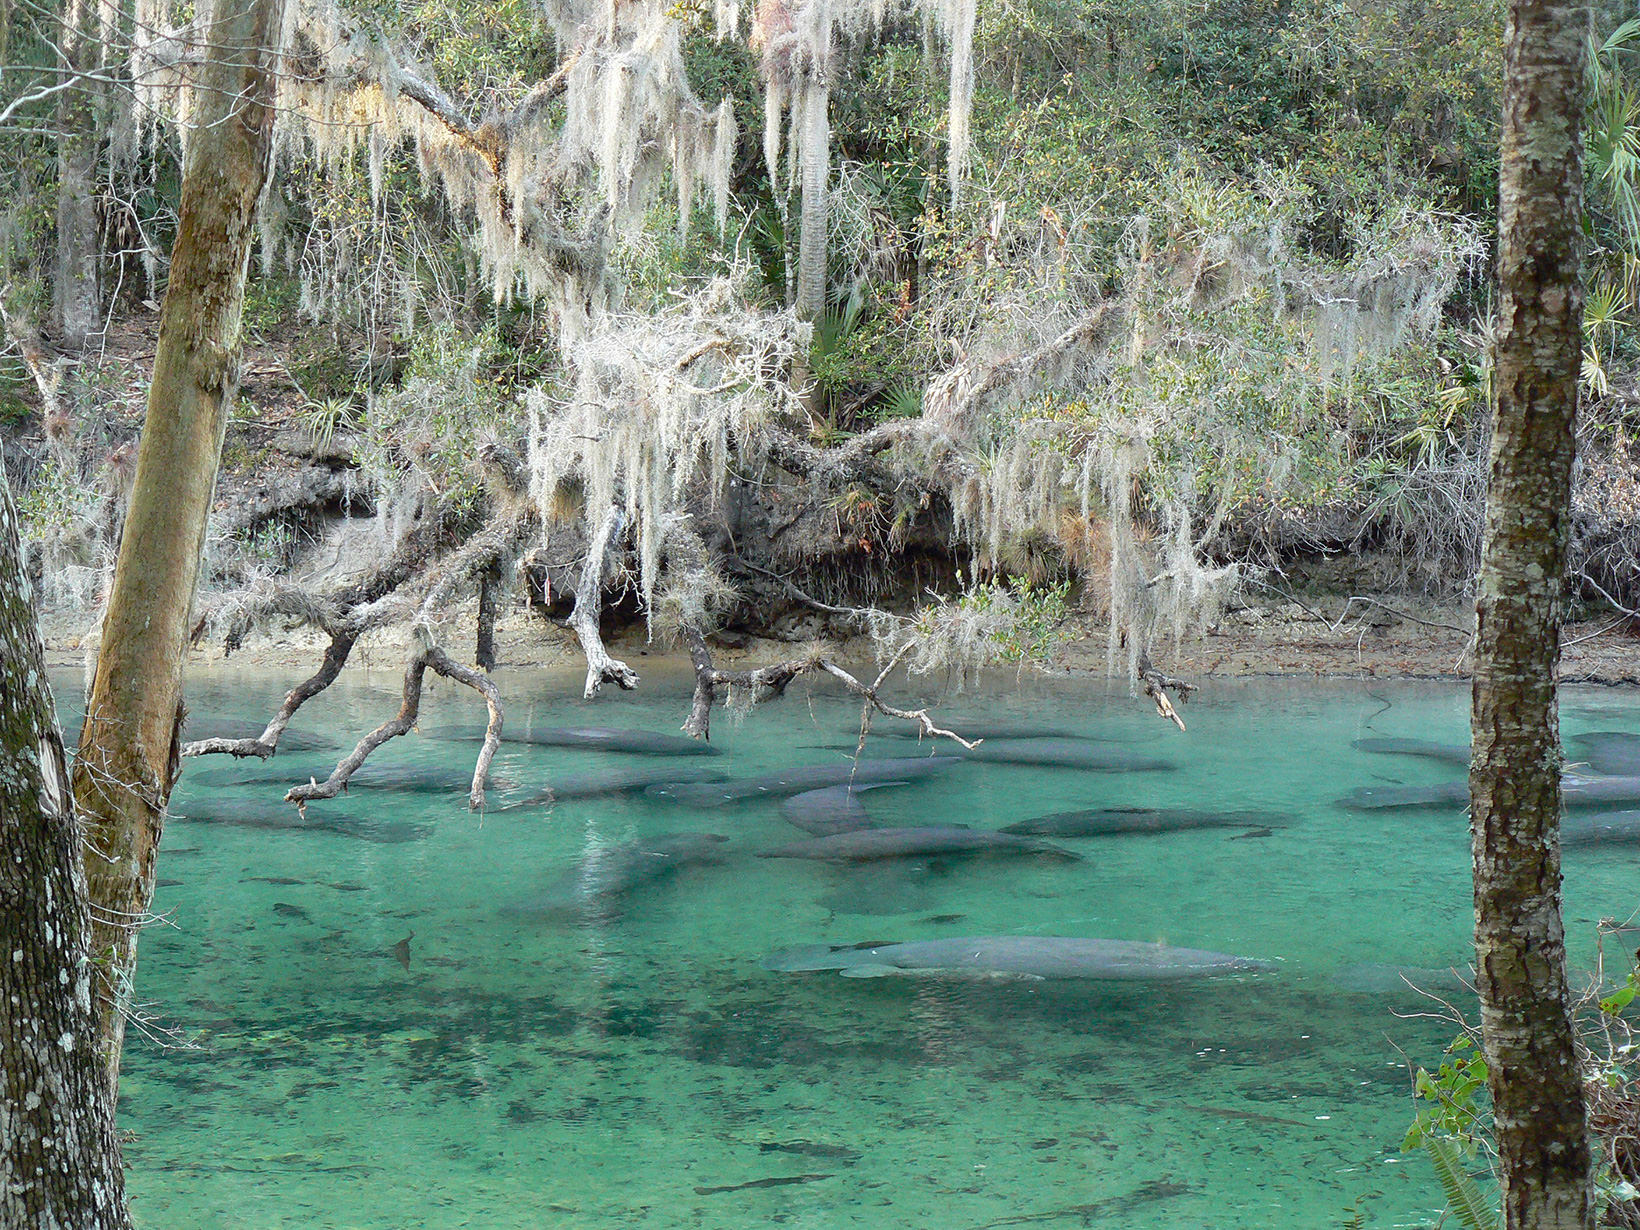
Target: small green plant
(1451, 1127)
(322, 419)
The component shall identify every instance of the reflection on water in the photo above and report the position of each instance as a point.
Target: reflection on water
(391, 1036)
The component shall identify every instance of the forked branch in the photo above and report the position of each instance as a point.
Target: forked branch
(426, 655)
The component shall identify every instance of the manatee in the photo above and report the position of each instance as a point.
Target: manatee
(788, 782)
(1601, 828)
(831, 809)
(1023, 956)
(1578, 790)
(1063, 754)
(249, 772)
(1379, 798)
(1377, 978)
(864, 845)
(261, 814)
(612, 781)
(398, 778)
(1609, 751)
(424, 779)
(1450, 753)
(606, 738)
(1110, 821)
(598, 885)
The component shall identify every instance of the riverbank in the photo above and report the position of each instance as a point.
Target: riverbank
(1352, 637)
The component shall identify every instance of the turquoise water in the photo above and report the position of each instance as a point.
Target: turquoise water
(639, 1068)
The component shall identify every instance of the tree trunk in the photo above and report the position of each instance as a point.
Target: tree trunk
(490, 582)
(128, 746)
(76, 288)
(814, 161)
(1536, 1085)
(59, 1155)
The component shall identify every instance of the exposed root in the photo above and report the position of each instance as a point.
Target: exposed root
(426, 655)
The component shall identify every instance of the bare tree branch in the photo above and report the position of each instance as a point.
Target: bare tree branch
(426, 655)
(770, 681)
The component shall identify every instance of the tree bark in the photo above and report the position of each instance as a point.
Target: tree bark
(814, 158)
(128, 745)
(59, 1154)
(489, 604)
(77, 288)
(1536, 1085)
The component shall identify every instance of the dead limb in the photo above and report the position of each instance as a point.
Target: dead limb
(770, 681)
(862, 614)
(267, 743)
(1156, 687)
(426, 655)
(601, 668)
(344, 616)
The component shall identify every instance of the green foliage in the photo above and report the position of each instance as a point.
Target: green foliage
(1463, 1195)
(1033, 616)
(455, 396)
(52, 501)
(1451, 1099)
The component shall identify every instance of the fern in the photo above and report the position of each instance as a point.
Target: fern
(1463, 1197)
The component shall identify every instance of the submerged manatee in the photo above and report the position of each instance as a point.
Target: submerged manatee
(1601, 828)
(207, 727)
(803, 778)
(1578, 790)
(282, 817)
(1450, 753)
(983, 730)
(605, 738)
(1064, 754)
(1047, 956)
(832, 809)
(864, 845)
(891, 887)
(1608, 751)
(600, 883)
(1380, 798)
(612, 781)
(1111, 821)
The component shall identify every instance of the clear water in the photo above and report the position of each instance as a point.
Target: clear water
(638, 1069)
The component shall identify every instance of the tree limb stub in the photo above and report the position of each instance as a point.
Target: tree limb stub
(426, 655)
(601, 668)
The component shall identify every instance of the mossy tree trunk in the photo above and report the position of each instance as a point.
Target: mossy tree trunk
(128, 752)
(59, 1155)
(77, 285)
(1536, 1084)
